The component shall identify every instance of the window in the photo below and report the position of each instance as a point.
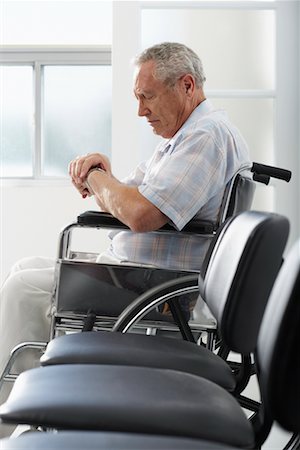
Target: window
(16, 114)
(77, 114)
(55, 87)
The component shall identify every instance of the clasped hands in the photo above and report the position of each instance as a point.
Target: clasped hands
(80, 167)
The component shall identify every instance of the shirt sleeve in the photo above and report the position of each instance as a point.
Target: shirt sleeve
(185, 180)
(136, 177)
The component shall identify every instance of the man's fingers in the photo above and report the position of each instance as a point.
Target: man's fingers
(90, 161)
(82, 189)
(80, 166)
(73, 167)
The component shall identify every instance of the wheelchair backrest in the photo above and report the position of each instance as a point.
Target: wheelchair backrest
(242, 268)
(238, 196)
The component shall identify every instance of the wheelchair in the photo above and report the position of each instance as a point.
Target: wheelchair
(73, 312)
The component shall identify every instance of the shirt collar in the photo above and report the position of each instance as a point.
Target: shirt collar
(200, 111)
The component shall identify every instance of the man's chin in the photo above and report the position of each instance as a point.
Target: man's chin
(159, 132)
(156, 132)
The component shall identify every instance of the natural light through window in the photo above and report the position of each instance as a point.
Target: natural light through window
(56, 84)
(77, 114)
(16, 119)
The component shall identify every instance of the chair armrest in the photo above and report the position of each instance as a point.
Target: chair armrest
(143, 304)
(103, 219)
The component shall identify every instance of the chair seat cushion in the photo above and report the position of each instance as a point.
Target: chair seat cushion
(93, 440)
(139, 350)
(127, 399)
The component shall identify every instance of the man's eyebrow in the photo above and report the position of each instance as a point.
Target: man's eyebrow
(141, 91)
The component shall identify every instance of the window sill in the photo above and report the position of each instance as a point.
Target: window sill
(35, 182)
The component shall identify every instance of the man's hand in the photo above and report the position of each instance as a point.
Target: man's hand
(122, 201)
(80, 166)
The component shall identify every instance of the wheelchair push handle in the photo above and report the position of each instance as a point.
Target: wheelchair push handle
(263, 171)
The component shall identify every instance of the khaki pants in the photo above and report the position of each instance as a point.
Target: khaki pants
(25, 315)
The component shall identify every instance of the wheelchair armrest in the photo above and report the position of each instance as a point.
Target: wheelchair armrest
(99, 219)
(103, 219)
(143, 304)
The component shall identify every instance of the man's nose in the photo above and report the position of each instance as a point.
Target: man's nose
(142, 109)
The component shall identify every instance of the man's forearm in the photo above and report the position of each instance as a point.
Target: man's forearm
(125, 203)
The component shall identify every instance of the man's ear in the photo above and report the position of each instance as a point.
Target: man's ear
(188, 83)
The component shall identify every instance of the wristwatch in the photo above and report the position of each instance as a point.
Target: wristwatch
(93, 169)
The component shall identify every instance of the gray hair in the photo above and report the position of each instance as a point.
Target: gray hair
(173, 60)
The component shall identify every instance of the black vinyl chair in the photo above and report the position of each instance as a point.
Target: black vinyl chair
(166, 402)
(235, 291)
(91, 440)
(220, 425)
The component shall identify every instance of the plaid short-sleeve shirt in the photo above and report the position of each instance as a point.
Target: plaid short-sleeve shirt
(185, 178)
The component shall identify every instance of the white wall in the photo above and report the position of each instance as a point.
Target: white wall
(125, 139)
(287, 141)
(32, 218)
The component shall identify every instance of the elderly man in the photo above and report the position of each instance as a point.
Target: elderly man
(184, 179)
(186, 176)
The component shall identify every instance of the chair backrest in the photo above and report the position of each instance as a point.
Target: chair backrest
(238, 196)
(278, 351)
(242, 267)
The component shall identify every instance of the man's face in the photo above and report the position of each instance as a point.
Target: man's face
(163, 107)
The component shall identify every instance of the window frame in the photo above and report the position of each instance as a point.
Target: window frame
(37, 57)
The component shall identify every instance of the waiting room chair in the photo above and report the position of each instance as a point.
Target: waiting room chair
(90, 440)
(241, 270)
(150, 408)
